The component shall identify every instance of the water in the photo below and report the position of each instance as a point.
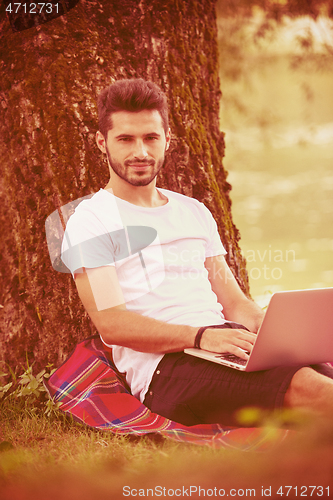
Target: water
(283, 206)
(277, 112)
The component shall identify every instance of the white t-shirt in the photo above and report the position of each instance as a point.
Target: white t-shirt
(159, 256)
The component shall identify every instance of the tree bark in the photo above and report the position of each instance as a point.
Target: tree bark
(50, 76)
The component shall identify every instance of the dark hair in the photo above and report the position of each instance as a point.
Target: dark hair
(134, 95)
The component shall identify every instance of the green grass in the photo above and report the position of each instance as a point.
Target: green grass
(51, 457)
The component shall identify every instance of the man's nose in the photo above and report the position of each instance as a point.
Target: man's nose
(140, 150)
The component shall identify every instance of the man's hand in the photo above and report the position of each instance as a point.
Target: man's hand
(228, 340)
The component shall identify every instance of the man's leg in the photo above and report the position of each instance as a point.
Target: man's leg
(190, 390)
(310, 391)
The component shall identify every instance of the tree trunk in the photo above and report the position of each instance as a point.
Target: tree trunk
(50, 76)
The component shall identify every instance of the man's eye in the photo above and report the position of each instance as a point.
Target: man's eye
(152, 138)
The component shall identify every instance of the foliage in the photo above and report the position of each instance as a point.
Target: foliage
(247, 26)
(257, 51)
(276, 9)
(27, 391)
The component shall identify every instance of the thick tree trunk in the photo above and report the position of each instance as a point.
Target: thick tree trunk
(50, 76)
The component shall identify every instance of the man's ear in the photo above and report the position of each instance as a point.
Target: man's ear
(100, 140)
(168, 139)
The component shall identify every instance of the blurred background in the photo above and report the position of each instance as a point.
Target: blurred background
(277, 113)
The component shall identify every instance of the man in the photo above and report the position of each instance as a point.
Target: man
(150, 270)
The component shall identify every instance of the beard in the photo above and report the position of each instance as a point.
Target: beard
(135, 178)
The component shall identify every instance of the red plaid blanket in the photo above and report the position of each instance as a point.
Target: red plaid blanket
(89, 387)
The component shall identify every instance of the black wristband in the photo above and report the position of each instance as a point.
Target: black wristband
(198, 336)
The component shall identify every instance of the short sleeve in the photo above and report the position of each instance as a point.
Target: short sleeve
(87, 243)
(214, 245)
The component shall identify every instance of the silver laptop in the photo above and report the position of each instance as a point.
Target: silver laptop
(297, 330)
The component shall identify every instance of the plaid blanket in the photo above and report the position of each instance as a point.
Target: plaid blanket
(89, 387)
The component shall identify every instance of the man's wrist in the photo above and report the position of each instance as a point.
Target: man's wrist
(197, 340)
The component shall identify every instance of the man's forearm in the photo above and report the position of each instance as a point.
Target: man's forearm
(129, 329)
(118, 326)
(145, 334)
(248, 313)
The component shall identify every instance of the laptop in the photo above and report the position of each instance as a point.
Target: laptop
(297, 330)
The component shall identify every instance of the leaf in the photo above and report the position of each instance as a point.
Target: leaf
(33, 384)
(48, 375)
(40, 374)
(6, 387)
(25, 381)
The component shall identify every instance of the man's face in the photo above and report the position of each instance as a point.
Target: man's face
(135, 146)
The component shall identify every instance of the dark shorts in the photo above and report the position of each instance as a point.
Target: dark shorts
(191, 390)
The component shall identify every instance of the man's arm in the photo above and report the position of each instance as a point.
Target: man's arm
(236, 306)
(101, 296)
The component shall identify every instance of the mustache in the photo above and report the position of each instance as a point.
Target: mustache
(128, 163)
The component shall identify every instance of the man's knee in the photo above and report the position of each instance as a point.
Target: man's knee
(309, 390)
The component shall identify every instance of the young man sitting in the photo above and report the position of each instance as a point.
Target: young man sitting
(149, 267)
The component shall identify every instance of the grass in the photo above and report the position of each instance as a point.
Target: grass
(47, 456)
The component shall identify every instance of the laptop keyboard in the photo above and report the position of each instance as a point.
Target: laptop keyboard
(233, 358)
